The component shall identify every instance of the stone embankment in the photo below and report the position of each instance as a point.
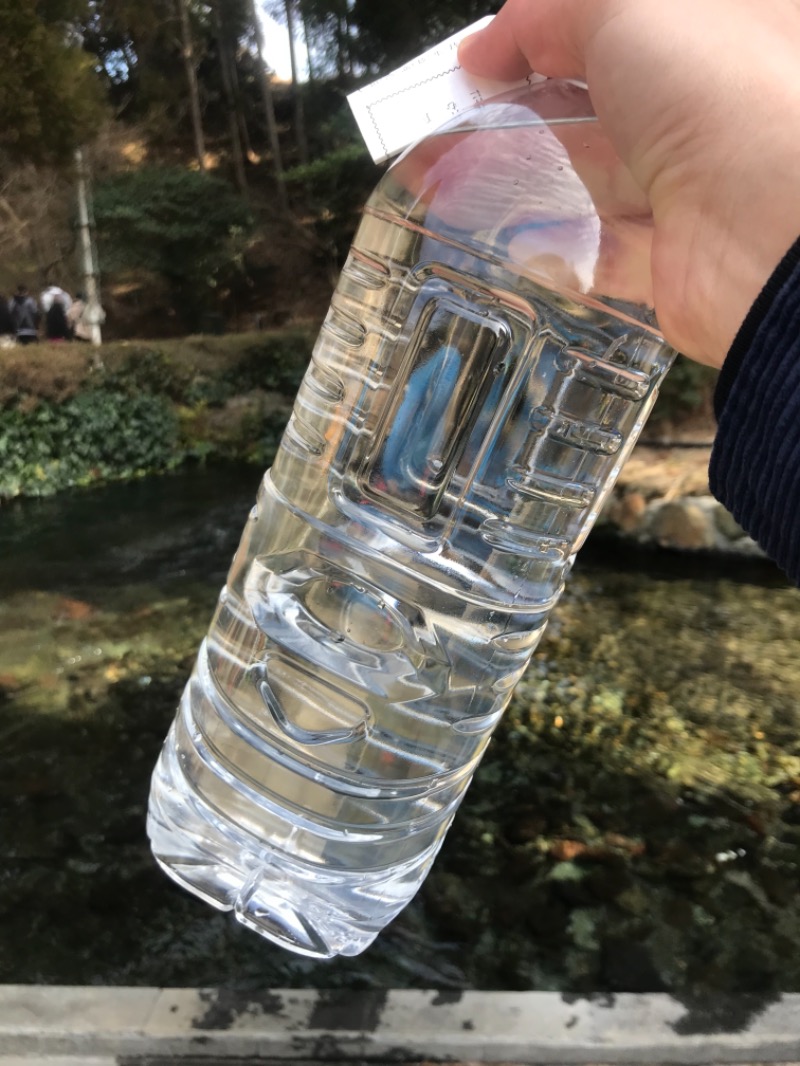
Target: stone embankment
(662, 499)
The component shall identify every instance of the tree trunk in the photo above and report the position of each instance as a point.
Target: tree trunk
(233, 76)
(269, 107)
(299, 114)
(191, 77)
(340, 53)
(348, 39)
(241, 118)
(230, 100)
(307, 39)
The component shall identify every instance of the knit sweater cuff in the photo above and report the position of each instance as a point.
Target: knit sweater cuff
(755, 463)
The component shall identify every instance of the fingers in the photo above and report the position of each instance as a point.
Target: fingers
(542, 35)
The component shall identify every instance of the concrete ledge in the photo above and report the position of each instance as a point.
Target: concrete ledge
(50, 1060)
(398, 1026)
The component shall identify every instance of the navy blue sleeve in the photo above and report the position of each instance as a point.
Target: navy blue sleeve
(755, 462)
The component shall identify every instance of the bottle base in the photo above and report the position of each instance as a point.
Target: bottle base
(273, 918)
(308, 909)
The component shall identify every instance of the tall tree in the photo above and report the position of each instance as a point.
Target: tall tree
(187, 52)
(49, 97)
(265, 80)
(388, 34)
(227, 74)
(235, 17)
(304, 21)
(188, 228)
(138, 48)
(330, 19)
(299, 115)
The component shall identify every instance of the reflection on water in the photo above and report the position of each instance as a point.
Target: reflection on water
(634, 826)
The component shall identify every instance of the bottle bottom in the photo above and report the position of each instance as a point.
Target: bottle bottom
(308, 909)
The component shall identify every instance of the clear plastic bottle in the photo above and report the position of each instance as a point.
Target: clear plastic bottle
(488, 360)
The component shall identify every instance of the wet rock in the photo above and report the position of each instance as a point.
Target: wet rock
(682, 860)
(583, 929)
(625, 844)
(567, 871)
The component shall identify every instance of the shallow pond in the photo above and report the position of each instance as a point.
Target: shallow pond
(635, 825)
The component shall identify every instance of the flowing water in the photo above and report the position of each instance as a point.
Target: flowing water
(634, 825)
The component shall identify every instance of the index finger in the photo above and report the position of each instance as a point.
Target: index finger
(542, 35)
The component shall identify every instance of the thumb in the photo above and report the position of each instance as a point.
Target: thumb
(547, 36)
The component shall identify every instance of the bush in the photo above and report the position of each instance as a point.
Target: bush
(335, 187)
(187, 228)
(93, 435)
(143, 408)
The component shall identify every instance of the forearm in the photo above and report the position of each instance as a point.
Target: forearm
(755, 464)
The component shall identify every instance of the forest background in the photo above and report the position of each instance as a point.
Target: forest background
(223, 197)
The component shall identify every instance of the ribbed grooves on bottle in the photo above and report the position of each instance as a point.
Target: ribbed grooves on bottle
(204, 811)
(238, 781)
(302, 437)
(221, 711)
(344, 327)
(502, 534)
(266, 746)
(311, 910)
(612, 378)
(322, 381)
(269, 491)
(576, 432)
(551, 489)
(245, 847)
(366, 271)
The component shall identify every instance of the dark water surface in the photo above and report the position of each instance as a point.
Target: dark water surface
(635, 825)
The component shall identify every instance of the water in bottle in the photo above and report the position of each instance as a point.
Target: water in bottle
(489, 357)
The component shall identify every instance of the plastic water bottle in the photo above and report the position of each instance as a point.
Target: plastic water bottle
(488, 360)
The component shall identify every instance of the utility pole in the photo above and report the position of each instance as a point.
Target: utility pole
(94, 314)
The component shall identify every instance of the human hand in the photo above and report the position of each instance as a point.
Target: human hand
(701, 99)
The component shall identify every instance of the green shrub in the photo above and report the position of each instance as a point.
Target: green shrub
(143, 408)
(188, 228)
(97, 434)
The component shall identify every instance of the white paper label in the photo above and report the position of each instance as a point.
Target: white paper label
(414, 100)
